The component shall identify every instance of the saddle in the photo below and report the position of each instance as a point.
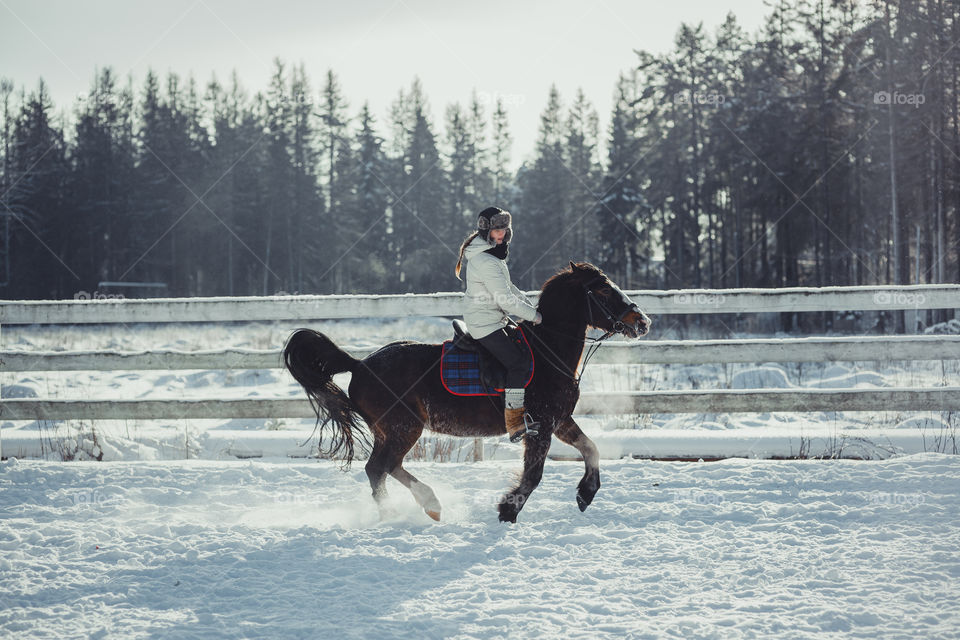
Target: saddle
(468, 369)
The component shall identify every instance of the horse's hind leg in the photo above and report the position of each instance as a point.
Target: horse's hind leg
(389, 460)
(422, 493)
(376, 469)
(569, 432)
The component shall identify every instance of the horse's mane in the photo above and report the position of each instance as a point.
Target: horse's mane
(564, 275)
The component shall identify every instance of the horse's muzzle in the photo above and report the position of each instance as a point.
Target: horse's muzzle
(636, 324)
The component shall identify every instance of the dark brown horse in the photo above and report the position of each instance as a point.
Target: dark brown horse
(397, 390)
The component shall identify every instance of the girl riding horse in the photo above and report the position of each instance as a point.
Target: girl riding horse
(396, 392)
(489, 297)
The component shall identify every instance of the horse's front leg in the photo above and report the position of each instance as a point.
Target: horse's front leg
(569, 432)
(534, 454)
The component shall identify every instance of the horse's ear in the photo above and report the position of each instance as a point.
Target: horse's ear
(573, 267)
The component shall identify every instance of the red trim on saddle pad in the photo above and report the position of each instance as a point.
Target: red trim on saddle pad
(443, 352)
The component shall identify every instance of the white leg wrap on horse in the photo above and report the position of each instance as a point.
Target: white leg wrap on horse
(424, 496)
(591, 456)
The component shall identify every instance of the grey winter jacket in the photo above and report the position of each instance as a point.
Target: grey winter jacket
(490, 294)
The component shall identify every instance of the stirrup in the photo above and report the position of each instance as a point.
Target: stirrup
(528, 428)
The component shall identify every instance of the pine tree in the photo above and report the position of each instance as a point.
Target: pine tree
(192, 235)
(581, 160)
(168, 176)
(153, 184)
(101, 180)
(6, 178)
(502, 144)
(461, 156)
(544, 203)
(481, 192)
(424, 228)
(235, 173)
(372, 198)
(624, 240)
(278, 176)
(727, 178)
(334, 152)
(307, 242)
(38, 172)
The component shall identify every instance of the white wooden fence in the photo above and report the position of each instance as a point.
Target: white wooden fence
(656, 303)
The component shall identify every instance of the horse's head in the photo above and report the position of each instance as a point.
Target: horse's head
(609, 308)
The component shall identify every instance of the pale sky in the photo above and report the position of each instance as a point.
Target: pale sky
(510, 49)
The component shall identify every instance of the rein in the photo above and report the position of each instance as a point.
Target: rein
(549, 356)
(617, 323)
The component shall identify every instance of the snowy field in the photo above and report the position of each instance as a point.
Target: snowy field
(152, 545)
(280, 549)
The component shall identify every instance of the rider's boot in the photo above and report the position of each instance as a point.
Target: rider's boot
(519, 422)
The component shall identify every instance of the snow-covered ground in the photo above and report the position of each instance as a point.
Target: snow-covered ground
(150, 545)
(281, 549)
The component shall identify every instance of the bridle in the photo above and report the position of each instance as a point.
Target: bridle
(615, 321)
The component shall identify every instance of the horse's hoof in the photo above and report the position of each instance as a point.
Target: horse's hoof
(583, 504)
(587, 490)
(508, 513)
(434, 514)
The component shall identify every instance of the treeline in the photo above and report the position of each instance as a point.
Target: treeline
(825, 149)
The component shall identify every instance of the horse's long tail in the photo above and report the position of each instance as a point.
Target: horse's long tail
(313, 359)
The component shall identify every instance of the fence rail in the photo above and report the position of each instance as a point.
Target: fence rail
(309, 307)
(878, 348)
(302, 308)
(597, 403)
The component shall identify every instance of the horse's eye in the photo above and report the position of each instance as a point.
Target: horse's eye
(605, 290)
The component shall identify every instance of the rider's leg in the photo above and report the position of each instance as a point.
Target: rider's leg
(505, 350)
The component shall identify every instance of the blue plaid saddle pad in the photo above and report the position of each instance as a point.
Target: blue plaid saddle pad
(460, 370)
